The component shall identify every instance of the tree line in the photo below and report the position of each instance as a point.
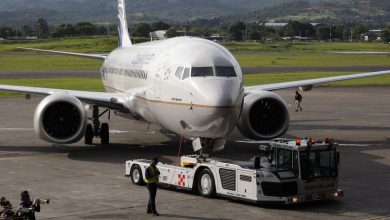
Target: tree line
(298, 30)
(238, 31)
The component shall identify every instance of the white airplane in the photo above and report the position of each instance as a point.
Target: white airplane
(190, 86)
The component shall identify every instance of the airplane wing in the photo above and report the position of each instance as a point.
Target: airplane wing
(286, 85)
(97, 56)
(104, 99)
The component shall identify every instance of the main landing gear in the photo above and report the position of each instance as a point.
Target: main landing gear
(97, 129)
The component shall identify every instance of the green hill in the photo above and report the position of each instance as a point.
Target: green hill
(375, 12)
(16, 13)
(20, 12)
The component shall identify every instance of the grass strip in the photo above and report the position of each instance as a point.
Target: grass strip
(84, 84)
(310, 59)
(268, 78)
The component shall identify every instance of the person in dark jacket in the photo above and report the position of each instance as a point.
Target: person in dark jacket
(298, 100)
(6, 208)
(152, 175)
(28, 208)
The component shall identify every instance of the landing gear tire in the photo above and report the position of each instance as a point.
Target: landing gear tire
(88, 137)
(104, 134)
(136, 175)
(206, 183)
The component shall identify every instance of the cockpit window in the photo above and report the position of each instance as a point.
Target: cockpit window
(202, 71)
(227, 71)
(186, 73)
(179, 72)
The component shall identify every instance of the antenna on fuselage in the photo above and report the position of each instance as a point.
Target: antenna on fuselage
(123, 31)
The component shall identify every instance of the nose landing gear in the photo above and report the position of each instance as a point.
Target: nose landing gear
(207, 146)
(97, 129)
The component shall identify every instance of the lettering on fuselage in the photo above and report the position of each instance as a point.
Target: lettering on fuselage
(319, 186)
(176, 99)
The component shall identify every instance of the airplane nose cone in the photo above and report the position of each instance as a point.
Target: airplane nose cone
(216, 92)
(217, 106)
(219, 92)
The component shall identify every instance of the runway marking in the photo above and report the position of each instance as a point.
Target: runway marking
(16, 129)
(359, 145)
(267, 142)
(118, 132)
(378, 217)
(121, 132)
(18, 157)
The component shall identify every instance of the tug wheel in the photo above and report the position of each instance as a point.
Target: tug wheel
(136, 175)
(206, 183)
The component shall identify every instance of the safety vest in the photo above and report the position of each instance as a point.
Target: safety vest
(154, 177)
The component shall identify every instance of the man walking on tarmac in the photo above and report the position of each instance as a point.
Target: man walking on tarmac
(298, 100)
(152, 175)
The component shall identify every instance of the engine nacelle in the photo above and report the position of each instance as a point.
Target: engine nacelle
(264, 116)
(60, 119)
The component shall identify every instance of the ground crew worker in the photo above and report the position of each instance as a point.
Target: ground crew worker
(27, 207)
(298, 100)
(6, 208)
(152, 175)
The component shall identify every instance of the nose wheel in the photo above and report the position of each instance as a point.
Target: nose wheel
(97, 129)
(207, 146)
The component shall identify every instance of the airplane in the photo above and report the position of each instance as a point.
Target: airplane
(190, 86)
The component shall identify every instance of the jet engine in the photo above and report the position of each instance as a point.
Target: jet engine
(60, 119)
(264, 116)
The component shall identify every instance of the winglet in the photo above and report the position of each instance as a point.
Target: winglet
(124, 37)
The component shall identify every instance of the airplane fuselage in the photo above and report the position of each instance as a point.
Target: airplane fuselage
(190, 86)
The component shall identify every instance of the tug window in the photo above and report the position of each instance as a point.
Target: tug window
(202, 71)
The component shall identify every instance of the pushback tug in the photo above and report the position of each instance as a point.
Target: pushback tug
(289, 172)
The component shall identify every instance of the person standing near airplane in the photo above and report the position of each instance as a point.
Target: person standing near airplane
(298, 100)
(28, 207)
(5, 208)
(152, 175)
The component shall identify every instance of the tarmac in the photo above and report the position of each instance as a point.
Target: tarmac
(88, 182)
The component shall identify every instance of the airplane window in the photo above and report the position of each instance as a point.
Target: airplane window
(186, 73)
(179, 72)
(225, 71)
(202, 71)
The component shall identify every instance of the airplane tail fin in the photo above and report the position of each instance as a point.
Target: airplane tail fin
(124, 37)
